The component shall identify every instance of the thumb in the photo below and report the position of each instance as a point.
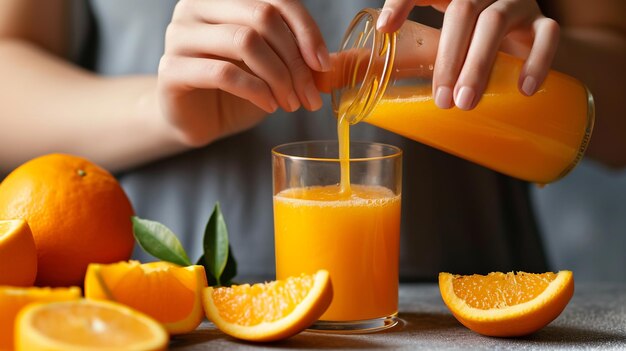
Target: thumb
(393, 14)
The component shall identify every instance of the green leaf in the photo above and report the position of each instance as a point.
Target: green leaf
(230, 271)
(159, 241)
(216, 246)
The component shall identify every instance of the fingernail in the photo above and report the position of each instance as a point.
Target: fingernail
(443, 97)
(383, 19)
(313, 97)
(322, 57)
(464, 98)
(529, 85)
(273, 105)
(293, 101)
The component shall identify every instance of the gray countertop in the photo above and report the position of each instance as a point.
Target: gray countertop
(594, 319)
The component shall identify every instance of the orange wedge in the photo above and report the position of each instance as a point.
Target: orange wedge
(269, 311)
(18, 254)
(86, 325)
(511, 304)
(169, 293)
(13, 299)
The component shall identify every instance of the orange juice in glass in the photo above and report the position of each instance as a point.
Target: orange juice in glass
(354, 236)
(386, 80)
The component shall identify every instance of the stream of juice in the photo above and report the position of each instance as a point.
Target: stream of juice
(343, 137)
(351, 230)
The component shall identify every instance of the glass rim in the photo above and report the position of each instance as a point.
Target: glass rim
(396, 151)
(381, 43)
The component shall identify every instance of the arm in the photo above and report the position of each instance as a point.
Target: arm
(50, 105)
(593, 49)
(225, 66)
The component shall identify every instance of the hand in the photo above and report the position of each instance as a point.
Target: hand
(473, 31)
(227, 63)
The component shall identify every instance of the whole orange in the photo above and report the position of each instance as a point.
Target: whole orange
(78, 214)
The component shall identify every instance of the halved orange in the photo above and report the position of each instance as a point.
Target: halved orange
(269, 311)
(86, 325)
(13, 299)
(169, 293)
(18, 254)
(506, 304)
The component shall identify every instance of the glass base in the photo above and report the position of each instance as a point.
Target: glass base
(355, 327)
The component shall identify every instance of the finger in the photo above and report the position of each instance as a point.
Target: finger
(491, 27)
(269, 18)
(456, 33)
(268, 21)
(188, 73)
(393, 14)
(239, 43)
(347, 68)
(537, 65)
(299, 21)
(307, 33)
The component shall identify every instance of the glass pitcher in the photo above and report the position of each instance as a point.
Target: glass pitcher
(386, 80)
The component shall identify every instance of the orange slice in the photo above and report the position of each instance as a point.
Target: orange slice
(169, 293)
(86, 325)
(269, 311)
(510, 304)
(13, 299)
(18, 254)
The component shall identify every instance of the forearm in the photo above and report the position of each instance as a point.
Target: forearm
(49, 105)
(596, 56)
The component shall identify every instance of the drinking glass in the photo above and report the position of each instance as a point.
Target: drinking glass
(354, 236)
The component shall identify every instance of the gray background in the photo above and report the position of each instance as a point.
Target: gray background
(583, 218)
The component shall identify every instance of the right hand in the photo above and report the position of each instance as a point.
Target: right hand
(227, 63)
(472, 33)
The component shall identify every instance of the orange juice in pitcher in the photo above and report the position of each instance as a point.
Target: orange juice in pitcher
(386, 80)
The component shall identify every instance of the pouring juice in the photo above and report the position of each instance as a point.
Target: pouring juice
(386, 80)
(353, 232)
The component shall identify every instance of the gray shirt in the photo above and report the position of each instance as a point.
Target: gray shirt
(456, 216)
